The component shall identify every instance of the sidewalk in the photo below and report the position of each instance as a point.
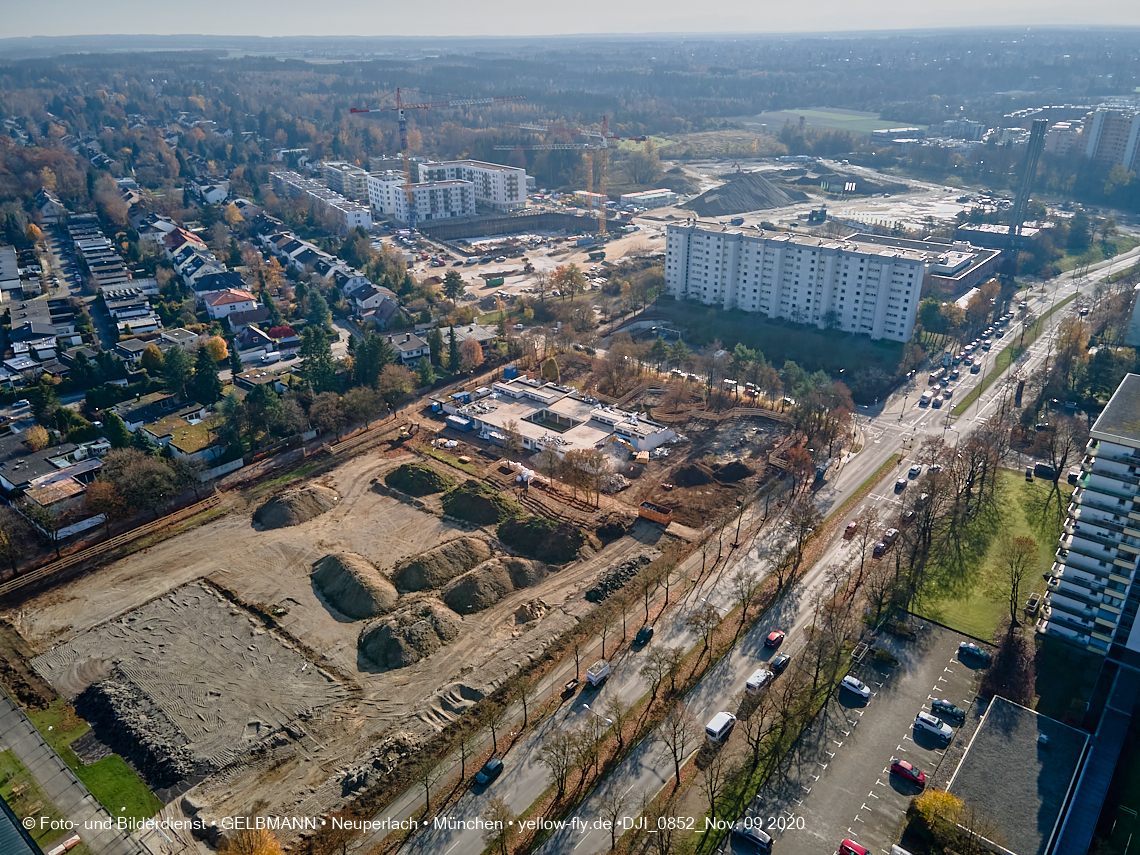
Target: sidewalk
(59, 783)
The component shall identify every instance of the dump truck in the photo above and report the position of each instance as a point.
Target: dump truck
(596, 674)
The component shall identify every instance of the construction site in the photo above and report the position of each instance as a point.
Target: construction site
(322, 630)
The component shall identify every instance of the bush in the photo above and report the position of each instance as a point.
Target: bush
(479, 504)
(542, 539)
(417, 479)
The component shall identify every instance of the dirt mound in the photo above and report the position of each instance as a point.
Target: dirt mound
(294, 507)
(478, 589)
(418, 479)
(436, 567)
(677, 180)
(525, 573)
(542, 539)
(409, 634)
(530, 611)
(732, 472)
(613, 526)
(477, 503)
(692, 476)
(741, 194)
(353, 586)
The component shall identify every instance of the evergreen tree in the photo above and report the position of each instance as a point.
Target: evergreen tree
(371, 354)
(207, 384)
(177, 371)
(452, 351)
(142, 441)
(235, 359)
(425, 374)
(319, 314)
(435, 345)
(453, 285)
(317, 365)
(115, 430)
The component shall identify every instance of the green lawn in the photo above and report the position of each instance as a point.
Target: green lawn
(1099, 252)
(955, 592)
(110, 780)
(828, 118)
(25, 798)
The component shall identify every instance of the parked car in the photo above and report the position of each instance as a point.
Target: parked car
(720, 726)
(759, 681)
(779, 663)
(927, 723)
(971, 650)
(907, 517)
(643, 635)
(856, 687)
(775, 638)
(850, 847)
(751, 833)
(948, 711)
(880, 549)
(490, 771)
(890, 536)
(908, 771)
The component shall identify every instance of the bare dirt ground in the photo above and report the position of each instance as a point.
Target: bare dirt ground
(80, 634)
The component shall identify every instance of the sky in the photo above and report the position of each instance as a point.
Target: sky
(536, 17)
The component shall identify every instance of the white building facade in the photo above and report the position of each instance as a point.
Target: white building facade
(502, 188)
(432, 200)
(347, 213)
(857, 288)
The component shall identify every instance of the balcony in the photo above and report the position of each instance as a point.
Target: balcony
(1067, 589)
(1132, 459)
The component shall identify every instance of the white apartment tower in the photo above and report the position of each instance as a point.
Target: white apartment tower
(433, 200)
(854, 287)
(1092, 599)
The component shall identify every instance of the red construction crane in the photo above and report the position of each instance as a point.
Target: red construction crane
(399, 107)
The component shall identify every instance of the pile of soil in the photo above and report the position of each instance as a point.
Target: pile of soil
(692, 475)
(542, 539)
(418, 479)
(732, 472)
(294, 507)
(353, 586)
(479, 504)
(409, 634)
(677, 180)
(531, 611)
(438, 566)
(488, 583)
(741, 194)
(614, 526)
(616, 579)
(478, 589)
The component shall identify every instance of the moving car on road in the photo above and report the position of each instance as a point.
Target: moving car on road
(490, 771)
(900, 484)
(643, 635)
(775, 638)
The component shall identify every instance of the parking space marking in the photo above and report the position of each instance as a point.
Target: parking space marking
(864, 807)
(815, 777)
(900, 748)
(806, 789)
(837, 742)
(822, 765)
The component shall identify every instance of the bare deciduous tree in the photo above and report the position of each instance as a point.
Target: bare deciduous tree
(557, 754)
(675, 736)
(1017, 560)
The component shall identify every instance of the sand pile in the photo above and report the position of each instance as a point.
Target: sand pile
(741, 194)
(531, 611)
(732, 472)
(409, 634)
(525, 573)
(294, 507)
(438, 566)
(353, 586)
(692, 476)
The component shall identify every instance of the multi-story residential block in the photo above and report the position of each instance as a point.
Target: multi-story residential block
(1063, 138)
(348, 214)
(431, 200)
(1111, 135)
(346, 179)
(502, 188)
(1092, 597)
(854, 287)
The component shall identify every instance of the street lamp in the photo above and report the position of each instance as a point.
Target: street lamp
(598, 714)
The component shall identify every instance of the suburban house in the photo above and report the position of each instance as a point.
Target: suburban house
(19, 466)
(48, 206)
(130, 350)
(174, 423)
(409, 347)
(240, 320)
(229, 301)
(480, 333)
(258, 377)
(145, 409)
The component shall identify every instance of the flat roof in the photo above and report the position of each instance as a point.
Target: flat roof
(1120, 421)
(1015, 781)
(809, 241)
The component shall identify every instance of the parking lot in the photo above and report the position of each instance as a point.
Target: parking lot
(837, 782)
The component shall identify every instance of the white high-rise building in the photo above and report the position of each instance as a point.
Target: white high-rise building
(502, 188)
(854, 287)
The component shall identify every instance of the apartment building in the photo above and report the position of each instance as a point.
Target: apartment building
(502, 188)
(346, 179)
(347, 213)
(846, 285)
(432, 200)
(1063, 138)
(1111, 135)
(1091, 599)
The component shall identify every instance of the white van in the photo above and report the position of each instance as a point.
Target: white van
(759, 681)
(926, 398)
(718, 729)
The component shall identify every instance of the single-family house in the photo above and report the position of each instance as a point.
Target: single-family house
(144, 409)
(229, 301)
(240, 320)
(409, 347)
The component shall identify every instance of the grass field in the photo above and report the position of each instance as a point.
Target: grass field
(955, 593)
(1099, 252)
(824, 117)
(110, 780)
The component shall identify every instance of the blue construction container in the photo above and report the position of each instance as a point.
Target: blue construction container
(510, 372)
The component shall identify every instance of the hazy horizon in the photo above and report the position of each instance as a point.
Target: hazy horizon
(450, 18)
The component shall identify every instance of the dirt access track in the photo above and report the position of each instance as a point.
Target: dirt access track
(122, 630)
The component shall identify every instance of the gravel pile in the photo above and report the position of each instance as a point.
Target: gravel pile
(616, 579)
(294, 507)
(353, 586)
(742, 194)
(409, 634)
(436, 567)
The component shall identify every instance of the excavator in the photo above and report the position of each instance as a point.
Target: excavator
(639, 457)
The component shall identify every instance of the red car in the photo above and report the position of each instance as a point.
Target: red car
(908, 771)
(850, 847)
(852, 526)
(775, 638)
